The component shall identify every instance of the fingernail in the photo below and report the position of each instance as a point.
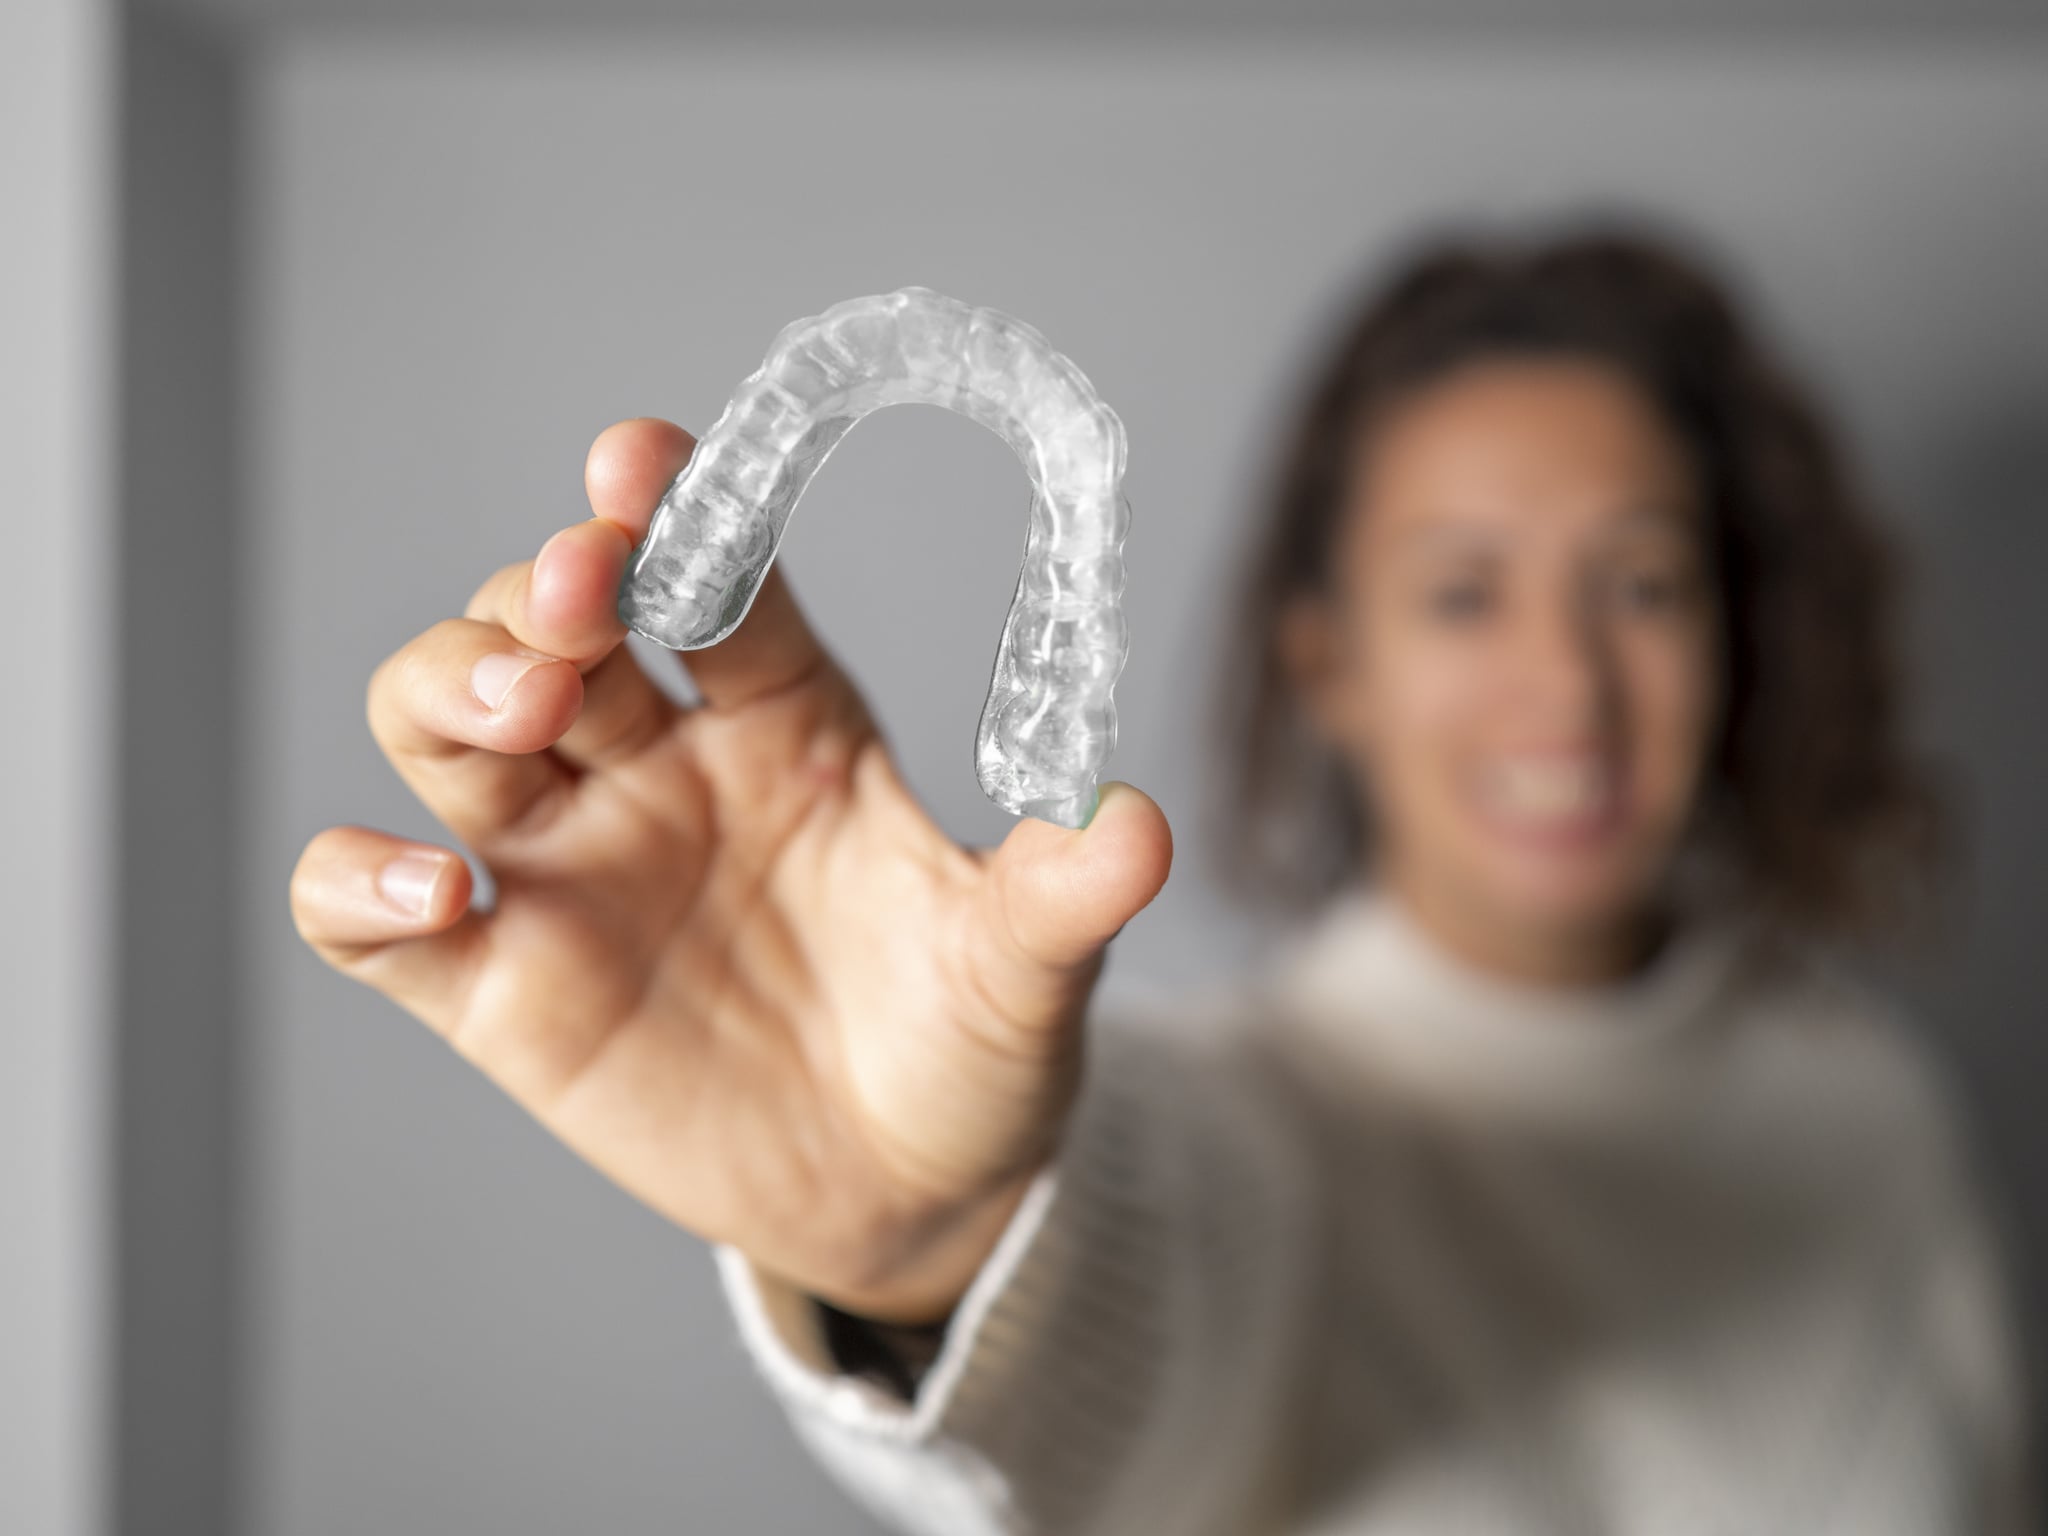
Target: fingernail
(408, 881)
(493, 677)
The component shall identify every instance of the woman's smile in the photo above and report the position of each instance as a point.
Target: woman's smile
(1554, 802)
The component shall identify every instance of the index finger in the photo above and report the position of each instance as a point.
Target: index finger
(564, 600)
(631, 465)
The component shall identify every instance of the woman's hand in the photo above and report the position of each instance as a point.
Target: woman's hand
(732, 963)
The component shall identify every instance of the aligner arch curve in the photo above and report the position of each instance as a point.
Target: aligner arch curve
(1049, 722)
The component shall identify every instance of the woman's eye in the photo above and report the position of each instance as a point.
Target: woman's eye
(1465, 601)
(1652, 591)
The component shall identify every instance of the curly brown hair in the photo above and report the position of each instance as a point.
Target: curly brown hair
(1813, 808)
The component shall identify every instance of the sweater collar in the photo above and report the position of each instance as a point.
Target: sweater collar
(1370, 980)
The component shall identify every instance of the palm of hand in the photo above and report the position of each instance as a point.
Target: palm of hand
(741, 974)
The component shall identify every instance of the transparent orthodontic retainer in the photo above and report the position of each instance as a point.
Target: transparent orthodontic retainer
(1049, 723)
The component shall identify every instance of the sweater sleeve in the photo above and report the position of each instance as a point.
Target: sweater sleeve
(1974, 1345)
(1134, 1355)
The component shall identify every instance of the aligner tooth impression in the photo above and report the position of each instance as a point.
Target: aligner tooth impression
(1049, 723)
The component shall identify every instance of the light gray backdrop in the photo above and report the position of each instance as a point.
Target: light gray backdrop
(57, 100)
(440, 262)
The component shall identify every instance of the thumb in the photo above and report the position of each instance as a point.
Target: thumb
(1058, 896)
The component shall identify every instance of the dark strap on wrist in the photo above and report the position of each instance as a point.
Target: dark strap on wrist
(894, 1356)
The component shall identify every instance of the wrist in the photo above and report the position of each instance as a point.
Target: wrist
(923, 1293)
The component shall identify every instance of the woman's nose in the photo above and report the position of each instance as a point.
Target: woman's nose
(1565, 665)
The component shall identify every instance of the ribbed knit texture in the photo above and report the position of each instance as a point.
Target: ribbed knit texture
(1376, 1244)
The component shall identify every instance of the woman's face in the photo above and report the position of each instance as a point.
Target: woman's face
(1520, 657)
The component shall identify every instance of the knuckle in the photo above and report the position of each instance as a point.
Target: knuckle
(373, 698)
(445, 638)
(381, 706)
(396, 685)
(490, 600)
(304, 890)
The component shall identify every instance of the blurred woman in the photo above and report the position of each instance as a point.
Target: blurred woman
(1550, 1177)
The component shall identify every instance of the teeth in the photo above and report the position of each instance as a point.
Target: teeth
(1548, 788)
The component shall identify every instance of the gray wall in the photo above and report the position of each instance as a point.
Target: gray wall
(57, 937)
(471, 252)
(177, 759)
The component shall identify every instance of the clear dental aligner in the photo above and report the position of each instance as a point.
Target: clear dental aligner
(1050, 722)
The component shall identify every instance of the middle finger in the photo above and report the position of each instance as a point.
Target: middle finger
(464, 712)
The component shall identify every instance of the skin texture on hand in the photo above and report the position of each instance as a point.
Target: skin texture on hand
(733, 964)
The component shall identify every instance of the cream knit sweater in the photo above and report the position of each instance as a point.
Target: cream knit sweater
(1378, 1244)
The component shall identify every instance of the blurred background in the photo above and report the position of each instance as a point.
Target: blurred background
(311, 309)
